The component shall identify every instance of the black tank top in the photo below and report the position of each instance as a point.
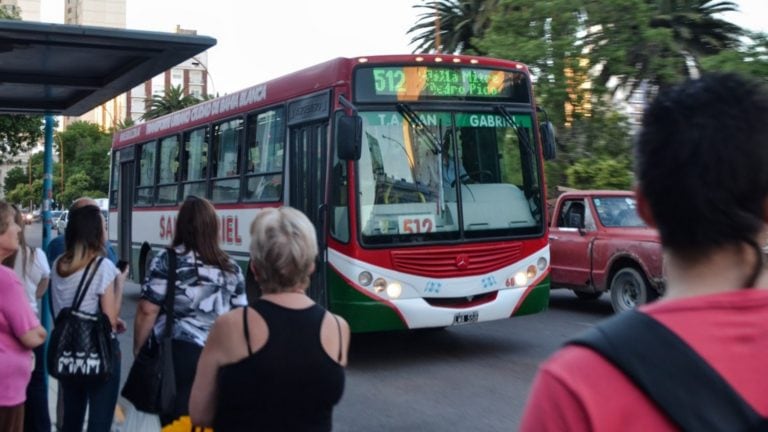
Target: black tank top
(290, 384)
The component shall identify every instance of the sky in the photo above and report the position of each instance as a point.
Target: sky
(261, 40)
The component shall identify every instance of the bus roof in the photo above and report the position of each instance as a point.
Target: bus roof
(303, 82)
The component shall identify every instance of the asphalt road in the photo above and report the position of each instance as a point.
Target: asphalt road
(466, 378)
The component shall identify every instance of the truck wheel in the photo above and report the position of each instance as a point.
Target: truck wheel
(586, 295)
(629, 289)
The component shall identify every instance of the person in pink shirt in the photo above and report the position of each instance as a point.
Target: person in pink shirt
(20, 331)
(700, 164)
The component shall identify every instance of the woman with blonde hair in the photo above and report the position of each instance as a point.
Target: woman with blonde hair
(31, 267)
(20, 330)
(84, 253)
(208, 283)
(286, 353)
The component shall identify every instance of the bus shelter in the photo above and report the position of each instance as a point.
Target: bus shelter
(57, 69)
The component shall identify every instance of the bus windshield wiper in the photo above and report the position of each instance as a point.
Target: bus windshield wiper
(420, 126)
(520, 133)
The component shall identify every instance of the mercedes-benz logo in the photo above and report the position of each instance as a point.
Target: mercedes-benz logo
(462, 261)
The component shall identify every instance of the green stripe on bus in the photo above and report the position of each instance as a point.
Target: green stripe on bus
(536, 301)
(361, 312)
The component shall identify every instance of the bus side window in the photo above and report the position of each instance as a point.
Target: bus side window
(145, 185)
(195, 163)
(225, 163)
(264, 156)
(168, 175)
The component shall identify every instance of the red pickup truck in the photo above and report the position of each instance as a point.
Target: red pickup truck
(598, 243)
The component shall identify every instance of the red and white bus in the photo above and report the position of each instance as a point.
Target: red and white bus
(423, 175)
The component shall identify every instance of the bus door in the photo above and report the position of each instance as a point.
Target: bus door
(125, 204)
(307, 160)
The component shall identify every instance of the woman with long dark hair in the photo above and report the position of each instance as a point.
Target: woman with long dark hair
(31, 267)
(208, 284)
(84, 239)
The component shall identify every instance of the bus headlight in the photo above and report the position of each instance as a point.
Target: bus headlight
(379, 285)
(521, 278)
(394, 290)
(531, 272)
(365, 278)
(541, 263)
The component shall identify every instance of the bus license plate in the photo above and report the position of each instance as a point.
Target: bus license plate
(465, 317)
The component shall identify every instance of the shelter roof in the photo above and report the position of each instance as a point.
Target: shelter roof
(70, 69)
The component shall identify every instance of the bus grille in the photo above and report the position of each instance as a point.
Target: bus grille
(455, 262)
(462, 302)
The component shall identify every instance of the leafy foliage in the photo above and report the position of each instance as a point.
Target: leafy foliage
(86, 152)
(172, 100)
(10, 14)
(15, 176)
(750, 59)
(582, 52)
(459, 22)
(18, 134)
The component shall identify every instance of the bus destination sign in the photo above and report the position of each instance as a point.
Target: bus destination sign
(411, 83)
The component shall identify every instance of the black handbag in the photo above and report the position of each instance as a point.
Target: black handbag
(80, 348)
(151, 382)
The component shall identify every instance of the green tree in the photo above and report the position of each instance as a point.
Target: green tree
(25, 194)
(12, 13)
(15, 176)
(18, 133)
(657, 41)
(172, 100)
(86, 150)
(750, 59)
(123, 124)
(576, 48)
(460, 22)
(78, 185)
(600, 173)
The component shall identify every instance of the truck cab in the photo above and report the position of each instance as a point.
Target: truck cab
(599, 243)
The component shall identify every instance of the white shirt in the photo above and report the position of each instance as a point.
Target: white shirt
(37, 269)
(63, 289)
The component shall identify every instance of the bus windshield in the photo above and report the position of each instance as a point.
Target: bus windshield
(480, 179)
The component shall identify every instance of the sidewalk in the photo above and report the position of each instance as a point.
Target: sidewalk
(53, 390)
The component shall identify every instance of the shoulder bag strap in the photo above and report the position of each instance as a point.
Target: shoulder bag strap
(170, 292)
(681, 383)
(82, 288)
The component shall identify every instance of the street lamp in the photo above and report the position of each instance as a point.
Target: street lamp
(198, 62)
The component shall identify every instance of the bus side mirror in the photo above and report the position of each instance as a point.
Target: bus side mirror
(349, 137)
(547, 132)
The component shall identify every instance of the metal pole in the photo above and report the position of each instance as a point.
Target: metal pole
(45, 311)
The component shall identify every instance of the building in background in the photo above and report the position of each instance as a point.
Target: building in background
(191, 75)
(29, 10)
(99, 13)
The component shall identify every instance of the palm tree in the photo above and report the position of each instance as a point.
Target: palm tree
(172, 100)
(668, 46)
(458, 23)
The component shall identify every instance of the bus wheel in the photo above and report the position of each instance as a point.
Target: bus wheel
(629, 289)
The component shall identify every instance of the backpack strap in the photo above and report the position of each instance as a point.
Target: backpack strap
(670, 373)
(170, 292)
(85, 282)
